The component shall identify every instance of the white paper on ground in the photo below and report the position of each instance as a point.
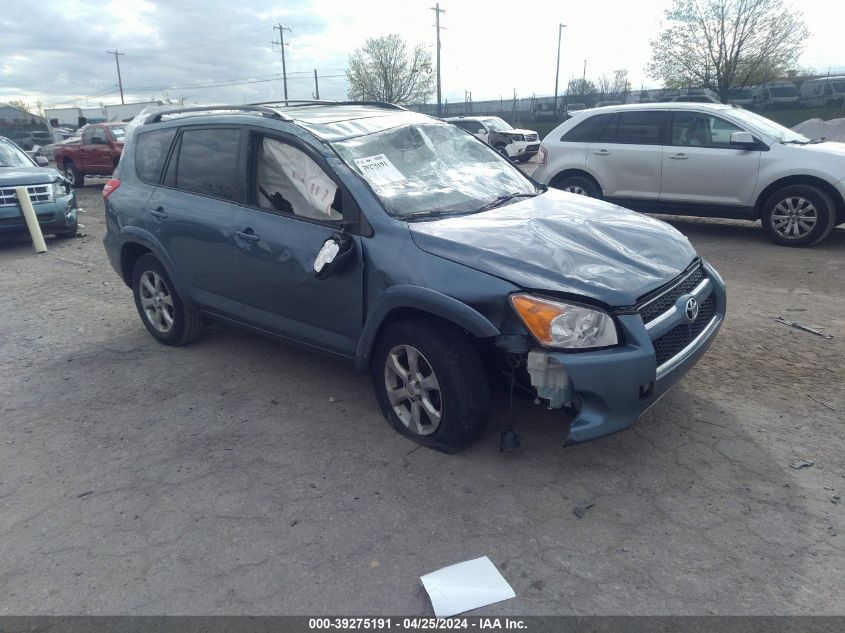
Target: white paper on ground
(465, 586)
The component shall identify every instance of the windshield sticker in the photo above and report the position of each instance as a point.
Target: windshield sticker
(378, 169)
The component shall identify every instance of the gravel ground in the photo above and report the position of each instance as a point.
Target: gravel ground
(239, 475)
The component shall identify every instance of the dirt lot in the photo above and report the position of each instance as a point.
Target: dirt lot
(238, 475)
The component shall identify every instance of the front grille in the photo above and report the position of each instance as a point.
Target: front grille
(530, 137)
(655, 306)
(37, 193)
(682, 335)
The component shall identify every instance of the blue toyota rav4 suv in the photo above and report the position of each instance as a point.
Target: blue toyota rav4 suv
(404, 244)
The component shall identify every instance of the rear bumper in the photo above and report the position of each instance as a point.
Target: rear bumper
(616, 386)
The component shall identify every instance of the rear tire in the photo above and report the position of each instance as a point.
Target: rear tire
(444, 382)
(580, 185)
(76, 178)
(798, 215)
(162, 311)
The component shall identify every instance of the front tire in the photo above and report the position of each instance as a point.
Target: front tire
(580, 185)
(163, 312)
(430, 384)
(798, 215)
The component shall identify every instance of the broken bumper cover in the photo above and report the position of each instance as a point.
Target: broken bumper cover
(616, 386)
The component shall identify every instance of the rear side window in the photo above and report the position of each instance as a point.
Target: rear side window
(208, 163)
(635, 128)
(150, 153)
(588, 130)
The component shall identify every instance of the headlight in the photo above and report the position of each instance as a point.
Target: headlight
(60, 188)
(561, 324)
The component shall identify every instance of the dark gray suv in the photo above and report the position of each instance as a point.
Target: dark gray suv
(414, 250)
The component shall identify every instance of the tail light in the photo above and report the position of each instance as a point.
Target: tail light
(542, 155)
(111, 185)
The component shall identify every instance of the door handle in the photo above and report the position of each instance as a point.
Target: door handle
(678, 156)
(602, 152)
(248, 235)
(158, 214)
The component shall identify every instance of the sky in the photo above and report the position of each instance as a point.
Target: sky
(211, 51)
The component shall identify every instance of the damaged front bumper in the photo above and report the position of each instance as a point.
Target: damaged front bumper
(610, 388)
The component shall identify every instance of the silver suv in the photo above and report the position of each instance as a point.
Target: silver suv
(700, 159)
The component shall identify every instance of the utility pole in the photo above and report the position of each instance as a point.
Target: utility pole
(316, 84)
(281, 29)
(584, 75)
(117, 61)
(560, 28)
(437, 11)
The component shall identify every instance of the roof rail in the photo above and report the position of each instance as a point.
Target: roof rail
(305, 102)
(251, 108)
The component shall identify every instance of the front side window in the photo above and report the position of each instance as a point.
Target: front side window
(87, 135)
(208, 163)
(289, 181)
(694, 129)
(473, 127)
(635, 128)
(150, 153)
(498, 125)
(431, 168)
(99, 137)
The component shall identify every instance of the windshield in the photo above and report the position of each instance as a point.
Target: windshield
(767, 127)
(784, 91)
(838, 86)
(11, 156)
(498, 125)
(432, 168)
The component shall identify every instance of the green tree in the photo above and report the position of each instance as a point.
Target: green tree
(719, 44)
(384, 70)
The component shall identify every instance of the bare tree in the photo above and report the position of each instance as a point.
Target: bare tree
(719, 44)
(384, 70)
(580, 87)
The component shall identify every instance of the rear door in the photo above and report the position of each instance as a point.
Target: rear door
(626, 159)
(295, 205)
(194, 212)
(701, 166)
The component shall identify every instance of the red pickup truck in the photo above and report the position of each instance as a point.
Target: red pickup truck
(95, 154)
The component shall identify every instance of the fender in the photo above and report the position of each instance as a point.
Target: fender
(137, 235)
(424, 300)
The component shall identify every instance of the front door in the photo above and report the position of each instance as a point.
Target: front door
(295, 207)
(701, 166)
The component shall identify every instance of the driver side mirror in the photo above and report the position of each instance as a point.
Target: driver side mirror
(743, 139)
(333, 255)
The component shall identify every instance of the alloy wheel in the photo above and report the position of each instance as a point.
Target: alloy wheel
(413, 390)
(794, 217)
(156, 301)
(576, 189)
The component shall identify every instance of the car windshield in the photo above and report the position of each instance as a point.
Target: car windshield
(498, 125)
(784, 91)
(768, 127)
(118, 132)
(11, 156)
(838, 86)
(431, 169)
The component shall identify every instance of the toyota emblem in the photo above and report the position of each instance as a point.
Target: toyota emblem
(692, 309)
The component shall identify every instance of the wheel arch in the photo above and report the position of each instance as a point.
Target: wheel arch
(566, 173)
(812, 181)
(400, 302)
(138, 242)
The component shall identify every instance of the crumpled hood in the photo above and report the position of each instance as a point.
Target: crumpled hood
(15, 176)
(563, 242)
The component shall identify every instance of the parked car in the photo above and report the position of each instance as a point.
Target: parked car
(401, 243)
(704, 160)
(517, 144)
(95, 154)
(826, 91)
(51, 195)
(775, 95)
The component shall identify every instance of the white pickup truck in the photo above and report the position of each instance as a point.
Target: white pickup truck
(516, 144)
